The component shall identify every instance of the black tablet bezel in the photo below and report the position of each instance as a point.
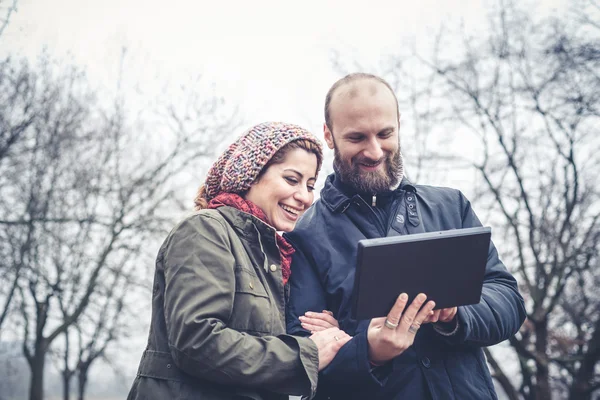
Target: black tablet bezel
(469, 247)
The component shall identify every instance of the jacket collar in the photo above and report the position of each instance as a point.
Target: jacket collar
(245, 224)
(336, 195)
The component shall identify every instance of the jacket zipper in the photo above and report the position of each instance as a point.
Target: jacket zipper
(267, 276)
(380, 227)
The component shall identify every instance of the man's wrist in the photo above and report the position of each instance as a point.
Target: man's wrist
(447, 328)
(373, 360)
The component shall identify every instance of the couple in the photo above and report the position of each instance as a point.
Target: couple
(226, 282)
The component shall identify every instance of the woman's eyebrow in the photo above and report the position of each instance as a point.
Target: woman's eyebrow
(297, 173)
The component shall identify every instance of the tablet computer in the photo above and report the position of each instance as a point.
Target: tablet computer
(447, 266)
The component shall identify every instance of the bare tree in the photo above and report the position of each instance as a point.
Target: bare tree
(88, 191)
(7, 8)
(527, 94)
(106, 321)
(15, 89)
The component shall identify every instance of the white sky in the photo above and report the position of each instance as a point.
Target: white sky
(270, 57)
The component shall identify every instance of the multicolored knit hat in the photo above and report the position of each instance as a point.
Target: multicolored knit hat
(238, 167)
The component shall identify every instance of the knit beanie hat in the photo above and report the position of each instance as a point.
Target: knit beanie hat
(238, 167)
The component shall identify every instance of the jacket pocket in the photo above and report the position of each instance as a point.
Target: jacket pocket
(251, 305)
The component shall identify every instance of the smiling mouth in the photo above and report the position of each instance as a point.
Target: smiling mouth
(293, 212)
(370, 165)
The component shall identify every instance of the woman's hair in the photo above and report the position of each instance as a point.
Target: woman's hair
(201, 202)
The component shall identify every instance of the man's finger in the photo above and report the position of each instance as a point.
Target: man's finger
(425, 312)
(421, 317)
(411, 312)
(395, 313)
(433, 316)
(448, 314)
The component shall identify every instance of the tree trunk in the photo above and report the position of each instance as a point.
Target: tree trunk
(542, 376)
(66, 376)
(36, 385)
(82, 382)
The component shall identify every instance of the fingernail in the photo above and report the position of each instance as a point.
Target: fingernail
(421, 297)
(403, 296)
(432, 305)
(308, 314)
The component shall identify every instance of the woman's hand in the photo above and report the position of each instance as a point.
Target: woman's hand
(329, 342)
(318, 321)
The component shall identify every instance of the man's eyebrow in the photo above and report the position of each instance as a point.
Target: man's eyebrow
(387, 129)
(350, 133)
(298, 173)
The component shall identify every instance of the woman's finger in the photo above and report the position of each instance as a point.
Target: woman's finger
(325, 316)
(312, 328)
(329, 322)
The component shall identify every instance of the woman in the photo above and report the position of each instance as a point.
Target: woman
(218, 307)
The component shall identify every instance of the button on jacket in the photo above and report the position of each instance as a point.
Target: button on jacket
(437, 365)
(218, 324)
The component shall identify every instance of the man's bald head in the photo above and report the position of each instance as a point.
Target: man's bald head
(346, 87)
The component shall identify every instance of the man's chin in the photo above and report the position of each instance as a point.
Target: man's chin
(370, 182)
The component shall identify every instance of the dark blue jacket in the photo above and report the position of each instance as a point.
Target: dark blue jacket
(436, 366)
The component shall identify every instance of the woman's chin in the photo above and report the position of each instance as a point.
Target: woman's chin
(285, 227)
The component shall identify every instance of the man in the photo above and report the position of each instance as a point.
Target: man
(367, 197)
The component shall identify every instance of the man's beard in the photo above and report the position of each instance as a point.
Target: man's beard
(373, 182)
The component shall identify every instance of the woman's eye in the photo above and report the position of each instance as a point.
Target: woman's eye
(310, 188)
(291, 181)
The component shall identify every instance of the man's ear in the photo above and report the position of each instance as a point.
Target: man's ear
(328, 136)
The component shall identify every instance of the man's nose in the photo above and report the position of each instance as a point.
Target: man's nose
(373, 150)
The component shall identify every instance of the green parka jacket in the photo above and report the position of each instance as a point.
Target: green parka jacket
(218, 316)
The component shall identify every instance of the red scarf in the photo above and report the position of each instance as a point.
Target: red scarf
(236, 201)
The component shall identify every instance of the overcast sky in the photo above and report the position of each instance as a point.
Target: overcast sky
(270, 57)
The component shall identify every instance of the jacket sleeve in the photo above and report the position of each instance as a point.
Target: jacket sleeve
(501, 311)
(350, 367)
(199, 295)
